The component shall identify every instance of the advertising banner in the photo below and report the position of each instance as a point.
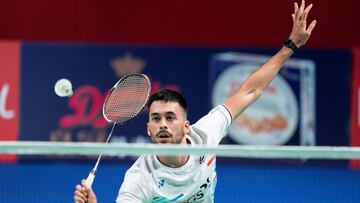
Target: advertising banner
(309, 87)
(9, 93)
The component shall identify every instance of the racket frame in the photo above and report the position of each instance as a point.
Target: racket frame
(114, 87)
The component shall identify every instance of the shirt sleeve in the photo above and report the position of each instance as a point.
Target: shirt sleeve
(130, 192)
(133, 188)
(213, 126)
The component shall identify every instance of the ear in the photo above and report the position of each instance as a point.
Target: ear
(187, 127)
(148, 129)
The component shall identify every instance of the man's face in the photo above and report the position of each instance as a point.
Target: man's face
(167, 123)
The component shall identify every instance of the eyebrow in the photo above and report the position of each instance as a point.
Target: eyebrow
(166, 113)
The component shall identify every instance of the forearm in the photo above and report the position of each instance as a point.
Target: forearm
(266, 73)
(254, 85)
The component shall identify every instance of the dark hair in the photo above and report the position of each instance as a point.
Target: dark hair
(167, 95)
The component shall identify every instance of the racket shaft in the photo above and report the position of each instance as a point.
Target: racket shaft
(91, 176)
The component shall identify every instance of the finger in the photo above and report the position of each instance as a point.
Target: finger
(307, 10)
(78, 200)
(82, 190)
(311, 27)
(302, 6)
(293, 18)
(301, 9)
(86, 187)
(80, 195)
(296, 9)
(84, 184)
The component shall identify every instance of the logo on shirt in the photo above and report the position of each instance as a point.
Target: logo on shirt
(201, 193)
(164, 199)
(202, 159)
(197, 197)
(161, 183)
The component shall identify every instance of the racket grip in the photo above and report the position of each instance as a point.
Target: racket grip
(90, 178)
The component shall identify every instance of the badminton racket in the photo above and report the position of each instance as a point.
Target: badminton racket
(123, 103)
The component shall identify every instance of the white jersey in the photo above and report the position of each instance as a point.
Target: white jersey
(150, 181)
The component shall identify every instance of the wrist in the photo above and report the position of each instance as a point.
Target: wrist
(291, 45)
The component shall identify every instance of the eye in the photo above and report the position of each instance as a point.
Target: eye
(170, 117)
(155, 118)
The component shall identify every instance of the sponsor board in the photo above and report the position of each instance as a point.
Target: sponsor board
(9, 93)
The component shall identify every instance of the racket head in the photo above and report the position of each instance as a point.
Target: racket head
(127, 98)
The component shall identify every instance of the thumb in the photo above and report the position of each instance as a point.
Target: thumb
(88, 189)
(311, 26)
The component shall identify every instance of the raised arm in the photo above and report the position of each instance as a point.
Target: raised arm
(254, 85)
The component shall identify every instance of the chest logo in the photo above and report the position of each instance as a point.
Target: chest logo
(161, 183)
(202, 159)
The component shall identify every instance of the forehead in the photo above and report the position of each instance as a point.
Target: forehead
(163, 107)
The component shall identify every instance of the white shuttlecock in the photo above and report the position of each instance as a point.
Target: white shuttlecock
(63, 88)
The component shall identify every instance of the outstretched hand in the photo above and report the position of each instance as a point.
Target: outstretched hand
(84, 193)
(301, 31)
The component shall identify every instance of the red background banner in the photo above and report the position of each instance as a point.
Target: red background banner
(9, 93)
(220, 23)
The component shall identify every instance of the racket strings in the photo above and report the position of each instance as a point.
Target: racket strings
(127, 98)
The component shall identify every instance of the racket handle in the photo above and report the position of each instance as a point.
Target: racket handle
(90, 178)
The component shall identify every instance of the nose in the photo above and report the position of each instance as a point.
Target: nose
(163, 125)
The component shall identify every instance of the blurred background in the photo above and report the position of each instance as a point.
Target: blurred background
(204, 49)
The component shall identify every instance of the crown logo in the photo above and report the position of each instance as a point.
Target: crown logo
(127, 64)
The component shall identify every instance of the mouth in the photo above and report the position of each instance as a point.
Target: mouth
(163, 135)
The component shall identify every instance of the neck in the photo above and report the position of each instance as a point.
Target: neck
(175, 161)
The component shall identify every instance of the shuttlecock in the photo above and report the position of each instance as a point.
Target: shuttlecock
(63, 88)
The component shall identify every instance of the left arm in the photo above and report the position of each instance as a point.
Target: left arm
(254, 85)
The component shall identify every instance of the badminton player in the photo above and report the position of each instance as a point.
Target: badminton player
(192, 178)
